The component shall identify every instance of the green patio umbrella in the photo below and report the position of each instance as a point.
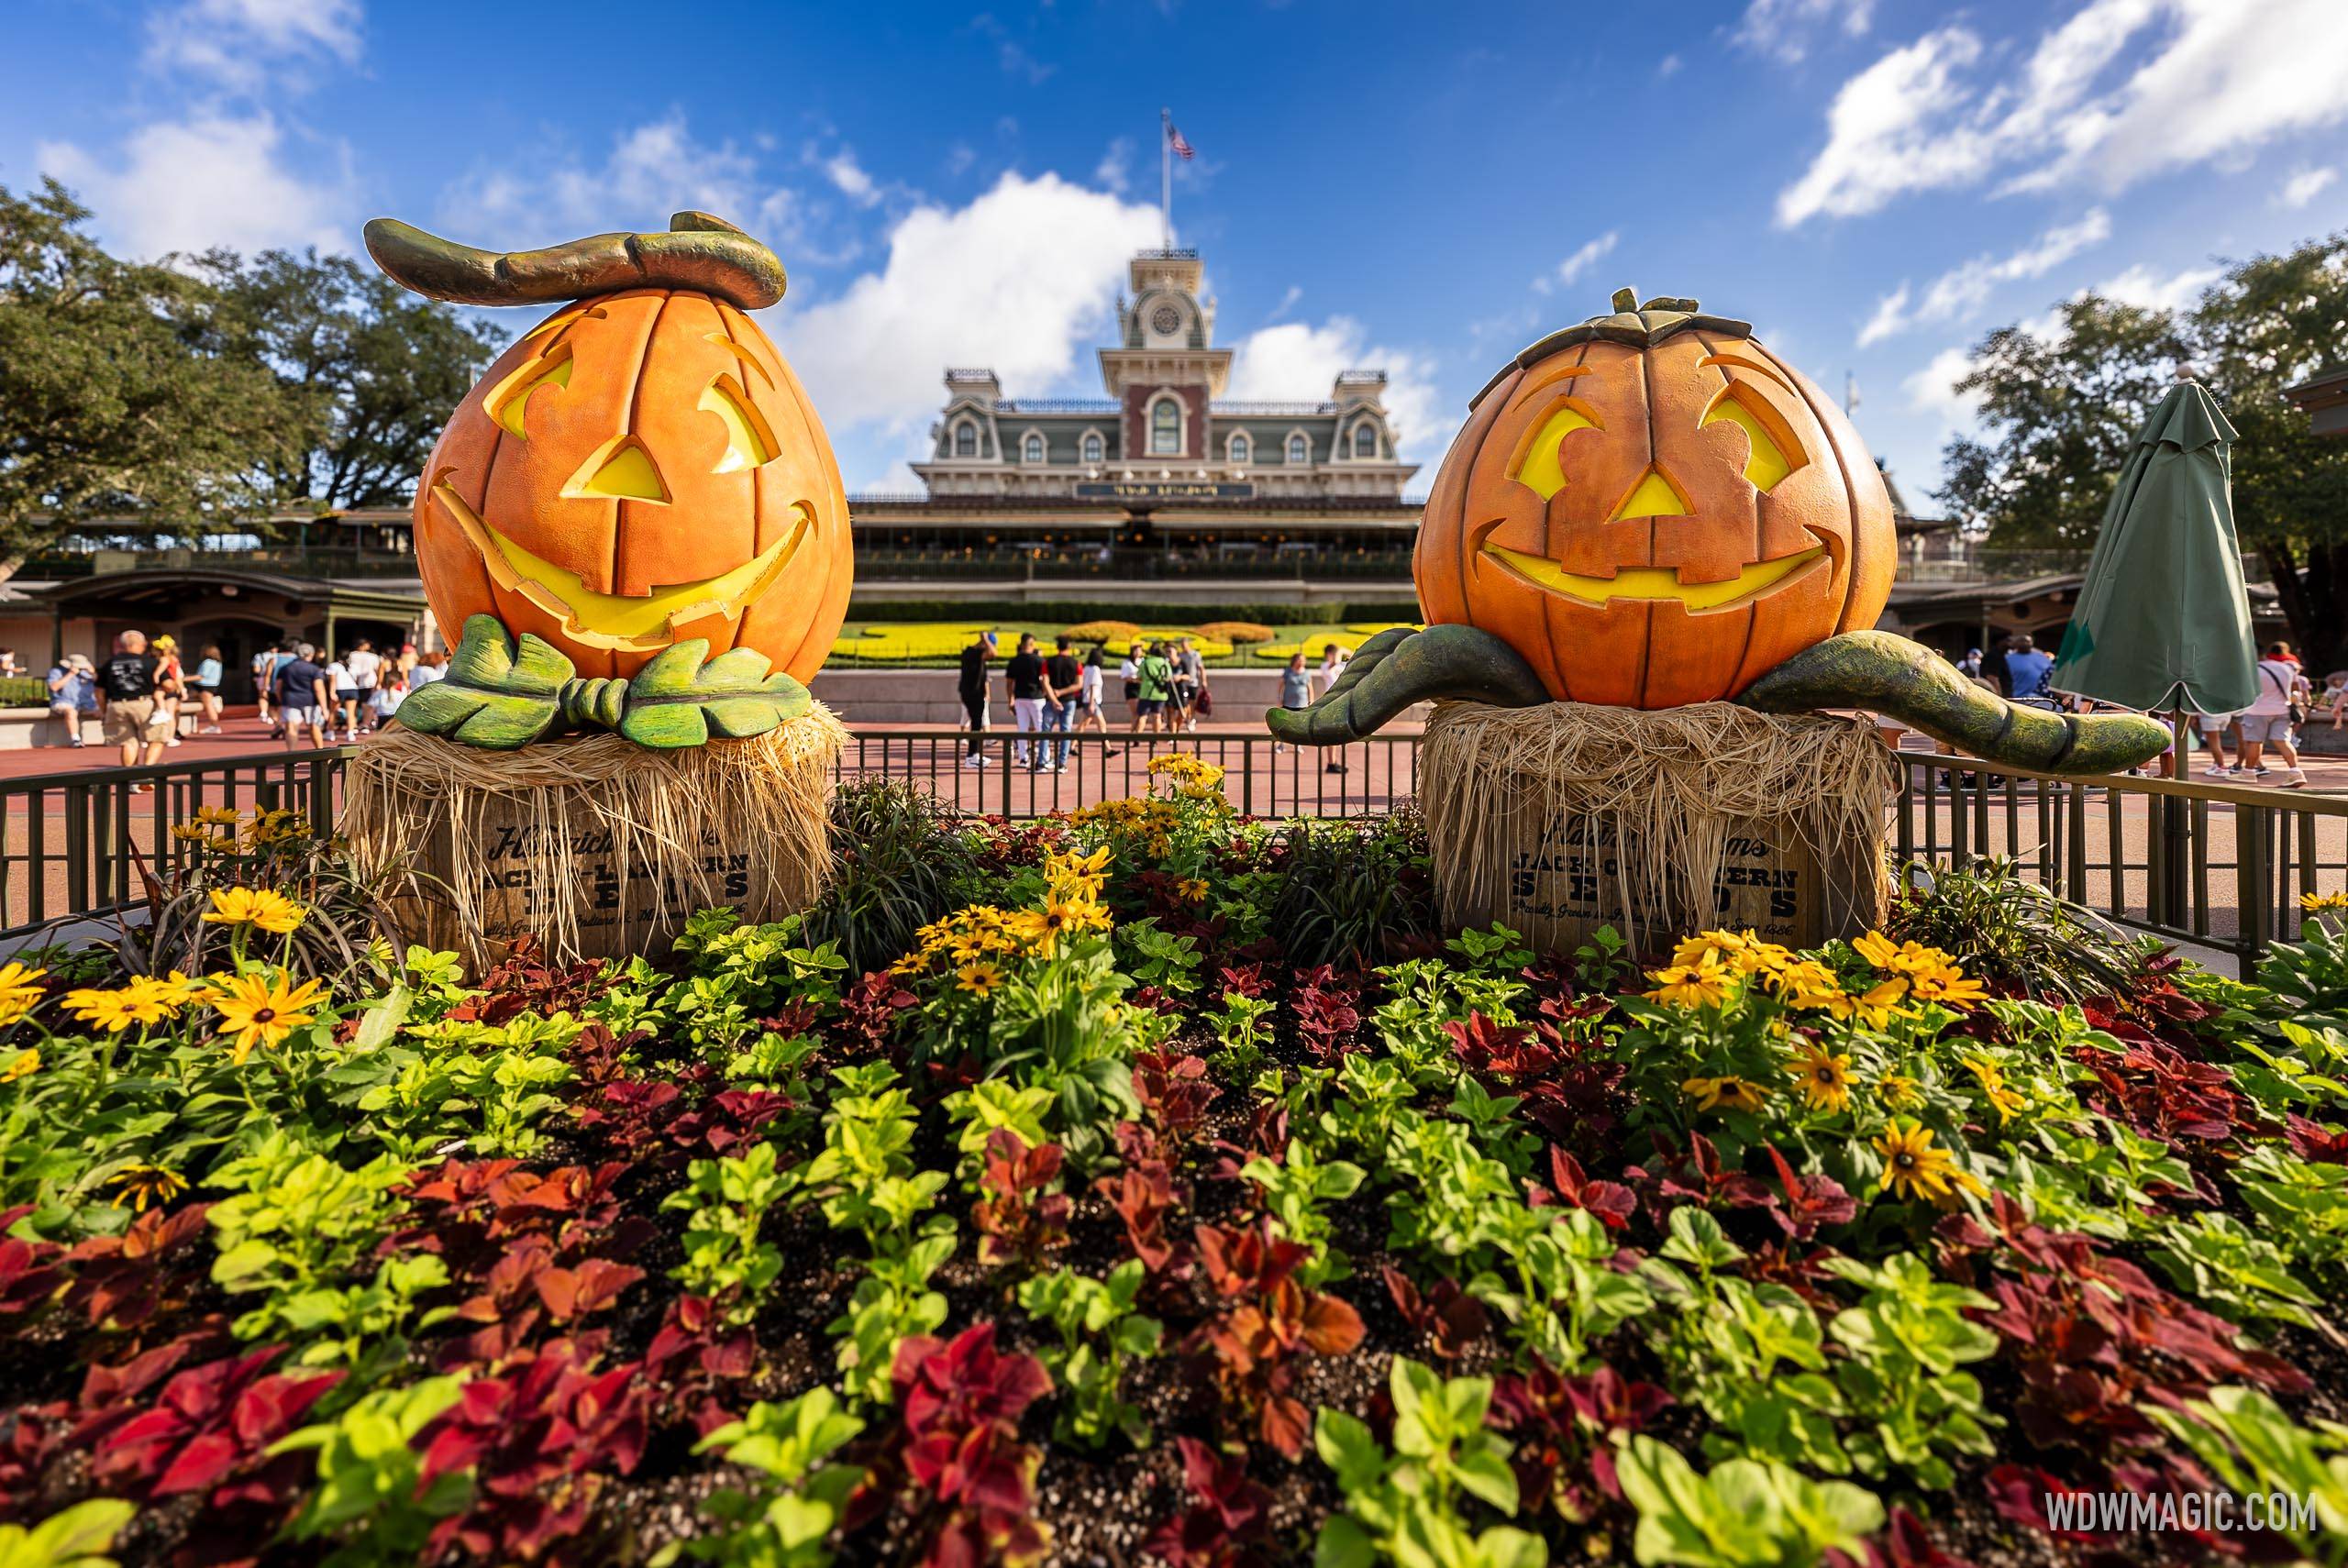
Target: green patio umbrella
(2162, 620)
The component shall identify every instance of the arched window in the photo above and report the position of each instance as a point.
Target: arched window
(1365, 439)
(966, 439)
(1030, 450)
(1092, 445)
(1297, 450)
(1165, 429)
(1241, 448)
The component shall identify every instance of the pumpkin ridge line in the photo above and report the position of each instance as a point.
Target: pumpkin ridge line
(1850, 492)
(636, 402)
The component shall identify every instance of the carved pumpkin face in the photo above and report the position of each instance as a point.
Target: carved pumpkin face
(1655, 509)
(640, 468)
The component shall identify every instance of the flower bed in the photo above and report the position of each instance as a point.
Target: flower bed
(1159, 1187)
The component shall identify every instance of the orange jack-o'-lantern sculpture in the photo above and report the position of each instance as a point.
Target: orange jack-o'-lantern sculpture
(1651, 510)
(1655, 509)
(640, 469)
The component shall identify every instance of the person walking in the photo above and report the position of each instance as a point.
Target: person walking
(2212, 729)
(2026, 668)
(1154, 687)
(2268, 719)
(972, 689)
(1063, 691)
(1201, 702)
(1129, 671)
(344, 696)
(1333, 664)
(305, 698)
(264, 671)
(390, 691)
(171, 685)
(1023, 675)
(129, 704)
(1296, 690)
(365, 667)
(73, 695)
(207, 690)
(1089, 700)
(427, 668)
(1184, 691)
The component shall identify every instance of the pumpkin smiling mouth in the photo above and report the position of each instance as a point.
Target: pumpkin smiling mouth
(634, 624)
(1653, 582)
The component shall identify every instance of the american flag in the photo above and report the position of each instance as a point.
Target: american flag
(1174, 137)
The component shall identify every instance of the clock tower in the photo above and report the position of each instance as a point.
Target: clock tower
(1165, 370)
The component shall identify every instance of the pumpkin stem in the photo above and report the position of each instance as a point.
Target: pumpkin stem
(699, 252)
(1626, 300)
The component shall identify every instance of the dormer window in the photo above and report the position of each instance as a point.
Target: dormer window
(1241, 448)
(1298, 451)
(1030, 450)
(966, 439)
(1165, 429)
(1365, 439)
(1092, 445)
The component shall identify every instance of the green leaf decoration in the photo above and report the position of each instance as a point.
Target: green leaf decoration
(677, 700)
(497, 695)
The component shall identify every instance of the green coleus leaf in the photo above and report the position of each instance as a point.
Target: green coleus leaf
(677, 700)
(498, 694)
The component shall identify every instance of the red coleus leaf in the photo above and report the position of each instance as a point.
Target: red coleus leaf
(206, 1422)
(2314, 1142)
(1174, 1091)
(30, 1273)
(1447, 1316)
(593, 1285)
(1611, 1201)
(1809, 1202)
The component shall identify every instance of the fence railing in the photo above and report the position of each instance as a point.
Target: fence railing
(2219, 865)
(73, 843)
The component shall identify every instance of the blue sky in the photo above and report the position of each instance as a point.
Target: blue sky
(1874, 182)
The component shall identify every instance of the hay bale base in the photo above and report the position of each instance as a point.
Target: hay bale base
(1560, 818)
(594, 846)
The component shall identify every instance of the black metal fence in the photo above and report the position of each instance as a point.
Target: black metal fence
(2219, 866)
(74, 843)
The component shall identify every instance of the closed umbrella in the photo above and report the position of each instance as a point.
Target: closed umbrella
(2162, 620)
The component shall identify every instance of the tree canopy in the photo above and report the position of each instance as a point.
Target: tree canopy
(207, 393)
(2061, 410)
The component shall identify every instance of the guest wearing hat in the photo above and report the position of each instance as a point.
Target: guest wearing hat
(73, 694)
(171, 682)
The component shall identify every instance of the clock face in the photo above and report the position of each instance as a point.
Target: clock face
(1166, 321)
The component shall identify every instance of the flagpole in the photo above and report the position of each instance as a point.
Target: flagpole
(1166, 177)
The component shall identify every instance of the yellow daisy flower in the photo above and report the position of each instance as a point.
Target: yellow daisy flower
(1192, 889)
(979, 979)
(1725, 1094)
(23, 1065)
(2317, 903)
(261, 1009)
(1899, 1090)
(1877, 949)
(1877, 1007)
(141, 1185)
(114, 1011)
(1949, 987)
(217, 816)
(1690, 985)
(1825, 1078)
(1994, 1089)
(1914, 1167)
(271, 912)
(20, 992)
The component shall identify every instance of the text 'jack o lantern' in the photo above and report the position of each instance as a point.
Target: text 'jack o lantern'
(640, 468)
(1655, 509)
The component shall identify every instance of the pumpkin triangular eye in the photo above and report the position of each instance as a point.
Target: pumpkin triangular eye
(1767, 462)
(506, 403)
(748, 441)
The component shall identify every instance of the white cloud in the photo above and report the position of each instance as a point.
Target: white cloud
(652, 170)
(1932, 390)
(1020, 280)
(2304, 186)
(1010, 53)
(850, 178)
(2213, 79)
(1288, 303)
(2142, 287)
(1668, 66)
(1115, 169)
(238, 43)
(1781, 28)
(187, 185)
(1964, 290)
(1589, 256)
(1295, 361)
